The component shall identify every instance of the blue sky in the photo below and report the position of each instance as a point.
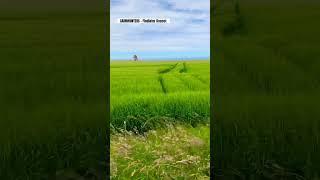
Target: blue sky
(187, 36)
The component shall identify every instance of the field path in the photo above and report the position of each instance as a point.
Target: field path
(178, 74)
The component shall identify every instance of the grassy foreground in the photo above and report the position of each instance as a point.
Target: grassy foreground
(159, 119)
(266, 90)
(174, 152)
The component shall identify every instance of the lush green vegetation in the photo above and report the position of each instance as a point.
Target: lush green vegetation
(148, 100)
(143, 93)
(266, 90)
(53, 94)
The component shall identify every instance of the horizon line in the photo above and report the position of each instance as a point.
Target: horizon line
(149, 59)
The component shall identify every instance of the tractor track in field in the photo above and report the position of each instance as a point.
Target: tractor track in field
(169, 69)
(182, 71)
(161, 79)
(163, 87)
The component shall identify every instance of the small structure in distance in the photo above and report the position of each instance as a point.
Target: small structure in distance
(135, 58)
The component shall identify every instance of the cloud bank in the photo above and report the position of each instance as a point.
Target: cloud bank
(187, 35)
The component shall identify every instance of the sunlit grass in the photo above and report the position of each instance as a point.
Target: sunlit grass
(145, 90)
(174, 152)
(148, 101)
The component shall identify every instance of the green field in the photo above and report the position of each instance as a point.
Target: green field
(158, 99)
(53, 94)
(266, 88)
(142, 93)
(265, 83)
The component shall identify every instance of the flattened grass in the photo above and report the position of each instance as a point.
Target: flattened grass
(175, 152)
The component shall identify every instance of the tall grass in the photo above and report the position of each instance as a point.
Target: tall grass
(142, 111)
(53, 94)
(266, 94)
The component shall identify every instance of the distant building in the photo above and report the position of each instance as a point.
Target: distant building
(135, 58)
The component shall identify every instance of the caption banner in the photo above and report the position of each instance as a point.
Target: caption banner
(143, 20)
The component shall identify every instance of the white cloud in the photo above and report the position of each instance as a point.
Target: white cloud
(189, 29)
(203, 5)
